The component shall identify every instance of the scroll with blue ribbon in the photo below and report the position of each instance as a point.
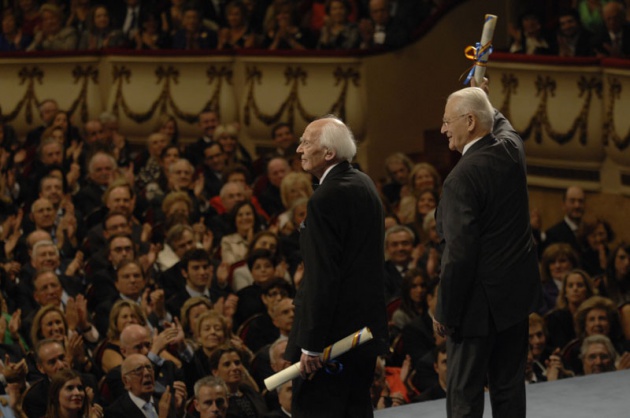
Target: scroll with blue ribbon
(481, 51)
(330, 353)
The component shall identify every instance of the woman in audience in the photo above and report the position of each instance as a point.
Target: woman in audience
(594, 235)
(264, 240)
(29, 16)
(171, 17)
(245, 223)
(68, 398)
(167, 125)
(413, 301)
(293, 186)
(100, 33)
(190, 313)
(337, 32)
(424, 176)
(616, 283)
(53, 36)
(123, 313)
(151, 170)
(79, 15)
(150, 37)
(284, 32)
(577, 286)
(12, 37)
(414, 209)
(556, 261)
(237, 35)
(226, 362)
(236, 154)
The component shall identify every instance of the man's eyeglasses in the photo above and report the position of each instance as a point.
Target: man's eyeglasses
(139, 371)
(446, 122)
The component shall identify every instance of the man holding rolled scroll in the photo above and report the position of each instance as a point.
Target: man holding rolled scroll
(489, 277)
(341, 242)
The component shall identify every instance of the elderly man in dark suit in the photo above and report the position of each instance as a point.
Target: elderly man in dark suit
(489, 279)
(342, 290)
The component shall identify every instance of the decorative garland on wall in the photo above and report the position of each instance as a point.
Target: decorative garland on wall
(295, 76)
(539, 122)
(167, 76)
(610, 132)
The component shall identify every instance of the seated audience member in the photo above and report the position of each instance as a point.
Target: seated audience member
(245, 224)
(616, 284)
(572, 39)
(99, 32)
(337, 32)
(214, 163)
(190, 312)
(68, 397)
(438, 390)
(101, 172)
(283, 32)
(557, 260)
(212, 331)
(30, 16)
(276, 321)
(159, 186)
(123, 313)
(565, 231)
(128, 15)
(262, 265)
(414, 208)
(270, 197)
(285, 143)
(598, 355)
(179, 239)
(594, 236)
(576, 287)
(150, 36)
(265, 240)
(413, 298)
(193, 36)
(381, 29)
(398, 253)
(236, 34)
(138, 376)
(207, 122)
(136, 339)
(53, 36)
(151, 170)
(198, 273)
(398, 167)
(269, 360)
(211, 397)
(51, 358)
(613, 40)
(13, 37)
(424, 176)
(292, 187)
(596, 315)
(226, 362)
(530, 38)
(546, 363)
(235, 152)
(48, 108)
(224, 202)
(285, 396)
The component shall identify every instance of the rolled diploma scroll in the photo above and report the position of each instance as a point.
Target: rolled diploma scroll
(330, 353)
(486, 42)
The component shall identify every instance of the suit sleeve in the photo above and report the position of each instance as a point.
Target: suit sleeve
(459, 217)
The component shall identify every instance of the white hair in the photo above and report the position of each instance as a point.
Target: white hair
(474, 100)
(44, 243)
(335, 135)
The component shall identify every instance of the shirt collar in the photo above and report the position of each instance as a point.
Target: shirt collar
(139, 401)
(326, 172)
(193, 293)
(574, 227)
(470, 144)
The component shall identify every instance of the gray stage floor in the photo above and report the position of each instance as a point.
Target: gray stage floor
(596, 396)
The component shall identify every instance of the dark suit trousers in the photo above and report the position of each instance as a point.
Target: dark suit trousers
(342, 395)
(500, 357)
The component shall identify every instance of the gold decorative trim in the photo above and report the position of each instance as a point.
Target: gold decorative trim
(610, 131)
(167, 76)
(295, 76)
(84, 75)
(29, 76)
(539, 122)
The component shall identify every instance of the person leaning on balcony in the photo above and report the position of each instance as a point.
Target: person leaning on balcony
(52, 36)
(572, 39)
(194, 35)
(381, 30)
(614, 39)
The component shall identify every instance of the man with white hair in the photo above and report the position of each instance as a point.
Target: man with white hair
(489, 281)
(342, 290)
(101, 170)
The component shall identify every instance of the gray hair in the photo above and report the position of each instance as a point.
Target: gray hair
(209, 381)
(107, 117)
(335, 135)
(598, 339)
(399, 228)
(109, 156)
(44, 243)
(228, 185)
(171, 168)
(474, 100)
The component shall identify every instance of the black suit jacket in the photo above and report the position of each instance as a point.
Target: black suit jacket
(124, 407)
(489, 264)
(561, 232)
(342, 247)
(602, 40)
(393, 281)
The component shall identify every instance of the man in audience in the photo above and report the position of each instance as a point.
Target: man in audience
(573, 205)
(214, 160)
(437, 391)
(48, 108)
(398, 249)
(207, 122)
(381, 30)
(270, 198)
(211, 397)
(573, 39)
(285, 395)
(101, 171)
(614, 40)
(598, 354)
(398, 167)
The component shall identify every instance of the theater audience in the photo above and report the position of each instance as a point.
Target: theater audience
(556, 261)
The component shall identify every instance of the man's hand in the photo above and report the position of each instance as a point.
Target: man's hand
(309, 364)
(485, 85)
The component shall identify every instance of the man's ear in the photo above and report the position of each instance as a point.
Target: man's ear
(330, 154)
(471, 123)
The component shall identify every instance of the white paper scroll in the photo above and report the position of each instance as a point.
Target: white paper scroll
(330, 353)
(490, 22)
